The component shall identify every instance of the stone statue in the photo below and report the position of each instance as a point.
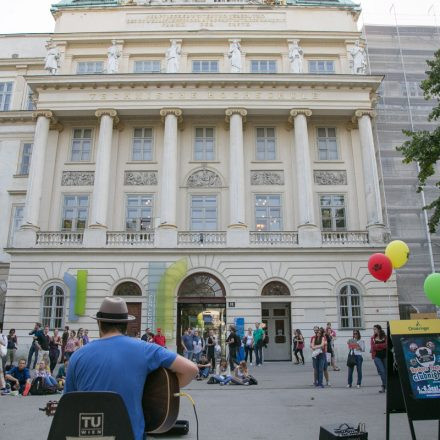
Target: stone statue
(358, 61)
(113, 55)
(296, 57)
(173, 57)
(52, 62)
(234, 55)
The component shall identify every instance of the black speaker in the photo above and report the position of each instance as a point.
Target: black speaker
(181, 427)
(344, 431)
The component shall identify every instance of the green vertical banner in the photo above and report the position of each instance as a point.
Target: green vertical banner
(81, 292)
(166, 296)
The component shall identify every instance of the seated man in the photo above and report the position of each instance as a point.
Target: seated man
(204, 367)
(61, 375)
(18, 377)
(41, 371)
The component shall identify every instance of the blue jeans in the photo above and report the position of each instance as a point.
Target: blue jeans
(381, 369)
(258, 348)
(50, 381)
(318, 364)
(359, 361)
(204, 372)
(188, 354)
(32, 351)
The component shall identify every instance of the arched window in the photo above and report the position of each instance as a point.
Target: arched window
(201, 285)
(53, 307)
(128, 288)
(275, 288)
(350, 308)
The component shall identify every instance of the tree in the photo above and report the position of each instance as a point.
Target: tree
(424, 146)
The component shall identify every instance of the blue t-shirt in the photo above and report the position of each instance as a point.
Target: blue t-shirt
(188, 342)
(22, 376)
(120, 364)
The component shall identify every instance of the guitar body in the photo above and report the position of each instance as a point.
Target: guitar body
(159, 401)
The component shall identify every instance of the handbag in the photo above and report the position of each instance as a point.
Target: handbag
(351, 359)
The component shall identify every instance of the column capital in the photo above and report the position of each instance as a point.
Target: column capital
(296, 112)
(177, 112)
(108, 112)
(367, 112)
(45, 113)
(235, 111)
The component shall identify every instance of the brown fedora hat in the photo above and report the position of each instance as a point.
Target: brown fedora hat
(113, 309)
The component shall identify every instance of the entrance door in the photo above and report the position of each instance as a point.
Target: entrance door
(276, 316)
(134, 327)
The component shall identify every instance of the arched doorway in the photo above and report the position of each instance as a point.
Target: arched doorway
(201, 305)
(129, 289)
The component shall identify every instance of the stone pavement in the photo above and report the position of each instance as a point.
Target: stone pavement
(283, 406)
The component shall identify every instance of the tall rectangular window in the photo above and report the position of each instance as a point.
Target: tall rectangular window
(327, 144)
(139, 212)
(81, 145)
(75, 212)
(333, 212)
(29, 101)
(148, 66)
(17, 221)
(205, 66)
(142, 148)
(26, 154)
(90, 67)
(263, 66)
(321, 66)
(5, 95)
(268, 212)
(266, 143)
(204, 146)
(204, 213)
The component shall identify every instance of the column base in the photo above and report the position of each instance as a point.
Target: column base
(165, 236)
(25, 237)
(95, 236)
(377, 234)
(237, 236)
(309, 236)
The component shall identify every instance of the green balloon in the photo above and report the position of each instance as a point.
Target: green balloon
(432, 288)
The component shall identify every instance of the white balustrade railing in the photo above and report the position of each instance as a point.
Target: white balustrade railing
(276, 239)
(130, 239)
(200, 239)
(59, 239)
(342, 238)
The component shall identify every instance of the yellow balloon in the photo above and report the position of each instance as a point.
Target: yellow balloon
(398, 252)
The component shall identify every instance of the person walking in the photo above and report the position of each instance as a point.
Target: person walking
(248, 342)
(11, 347)
(187, 344)
(258, 344)
(379, 353)
(318, 346)
(234, 343)
(356, 346)
(210, 344)
(197, 346)
(54, 349)
(298, 346)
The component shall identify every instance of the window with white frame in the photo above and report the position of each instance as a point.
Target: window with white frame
(204, 213)
(142, 148)
(205, 66)
(25, 162)
(266, 149)
(75, 212)
(327, 144)
(5, 95)
(147, 66)
(204, 143)
(81, 145)
(263, 66)
(52, 313)
(268, 215)
(139, 212)
(30, 105)
(321, 66)
(333, 212)
(90, 67)
(17, 221)
(350, 307)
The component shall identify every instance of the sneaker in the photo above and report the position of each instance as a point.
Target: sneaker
(358, 386)
(328, 384)
(382, 390)
(321, 386)
(349, 386)
(5, 392)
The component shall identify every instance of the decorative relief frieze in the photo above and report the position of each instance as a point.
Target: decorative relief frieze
(139, 178)
(325, 177)
(267, 178)
(204, 179)
(78, 178)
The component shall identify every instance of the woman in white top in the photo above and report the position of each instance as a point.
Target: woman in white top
(248, 341)
(357, 345)
(198, 346)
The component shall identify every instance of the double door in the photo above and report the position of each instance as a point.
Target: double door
(276, 317)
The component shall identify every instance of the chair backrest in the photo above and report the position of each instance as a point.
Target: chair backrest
(89, 414)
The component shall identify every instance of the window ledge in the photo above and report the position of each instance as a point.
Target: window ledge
(329, 161)
(137, 162)
(20, 176)
(204, 161)
(83, 162)
(267, 161)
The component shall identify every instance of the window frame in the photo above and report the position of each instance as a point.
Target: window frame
(217, 211)
(138, 207)
(350, 284)
(268, 194)
(327, 137)
(263, 60)
(52, 318)
(334, 207)
(205, 61)
(4, 94)
(266, 159)
(12, 229)
(95, 62)
(143, 144)
(92, 142)
(325, 72)
(22, 155)
(204, 152)
(147, 61)
(74, 220)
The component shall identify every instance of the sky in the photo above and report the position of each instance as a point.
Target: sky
(19, 16)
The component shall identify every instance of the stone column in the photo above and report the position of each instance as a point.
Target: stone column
(373, 203)
(309, 233)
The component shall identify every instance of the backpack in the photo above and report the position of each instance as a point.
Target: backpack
(265, 339)
(252, 380)
(39, 387)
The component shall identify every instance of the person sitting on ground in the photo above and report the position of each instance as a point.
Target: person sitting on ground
(61, 375)
(41, 371)
(204, 366)
(241, 375)
(18, 377)
(222, 373)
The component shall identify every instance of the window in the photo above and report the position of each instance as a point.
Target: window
(205, 66)
(350, 307)
(17, 221)
(150, 66)
(268, 212)
(53, 307)
(75, 212)
(266, 144)
(89, 67)
(81, 145)
(26, 154)
(203, 213)
(5, 95)
(142, 144)
(204, 144)
(29, 101)
(128, 288)
(201, 285)
(333, 212)
(327, 145)
(139, 212)
(413, 88)
(275, 288)
(263, 66)
(321, 66)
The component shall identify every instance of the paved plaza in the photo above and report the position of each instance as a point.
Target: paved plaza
(283, 406)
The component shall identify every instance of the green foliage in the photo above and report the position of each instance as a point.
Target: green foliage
(424, 146)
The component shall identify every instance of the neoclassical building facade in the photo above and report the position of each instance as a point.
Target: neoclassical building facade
(212, 163)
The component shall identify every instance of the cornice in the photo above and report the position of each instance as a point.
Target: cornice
(16, 116)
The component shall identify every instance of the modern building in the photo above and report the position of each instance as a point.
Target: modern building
(211, 162)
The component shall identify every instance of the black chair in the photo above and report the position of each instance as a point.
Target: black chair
(90, 414)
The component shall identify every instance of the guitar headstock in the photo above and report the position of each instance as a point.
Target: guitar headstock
(50, 408)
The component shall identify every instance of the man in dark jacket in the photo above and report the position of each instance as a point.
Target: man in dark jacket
(234, 344)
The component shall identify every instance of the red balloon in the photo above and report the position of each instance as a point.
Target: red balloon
(380, 267)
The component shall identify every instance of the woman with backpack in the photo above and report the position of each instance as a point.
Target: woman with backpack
(356, 346)
(248, 342)
(298, 346)
(379, 353)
